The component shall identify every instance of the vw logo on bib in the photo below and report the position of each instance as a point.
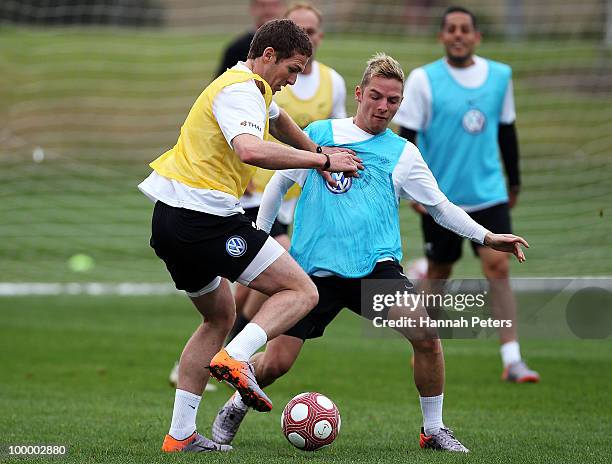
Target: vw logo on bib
(474, 121)
(344, 183)
(235, 246)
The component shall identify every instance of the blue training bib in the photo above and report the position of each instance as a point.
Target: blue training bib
(460, 145)
(347, 229)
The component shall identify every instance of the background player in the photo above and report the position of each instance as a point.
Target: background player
(460, 111)
(355, 236)
(261, 11)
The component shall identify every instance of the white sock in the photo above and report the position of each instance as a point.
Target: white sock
(431, 406)
(184, 415)
(238, 403)
(510, 353)
(247, 342)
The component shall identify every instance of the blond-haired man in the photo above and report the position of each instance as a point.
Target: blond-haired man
(354, 239)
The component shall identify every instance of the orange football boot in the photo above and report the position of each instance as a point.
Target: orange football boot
(241, 376)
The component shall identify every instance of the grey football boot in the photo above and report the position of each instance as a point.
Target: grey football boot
(518, 372)
(444, 440)
(228, 421)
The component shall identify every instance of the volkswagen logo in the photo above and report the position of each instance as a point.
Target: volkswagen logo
(235, 246)
(474, 121)
(344, 183)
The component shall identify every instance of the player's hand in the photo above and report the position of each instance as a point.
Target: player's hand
(508, 243)
(419, 208)
(328, 178)
(345, 162)
(332, 150)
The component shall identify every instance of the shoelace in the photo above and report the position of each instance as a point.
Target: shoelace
(447, 438)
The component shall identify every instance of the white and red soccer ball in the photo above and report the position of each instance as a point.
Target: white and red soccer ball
(310, 421)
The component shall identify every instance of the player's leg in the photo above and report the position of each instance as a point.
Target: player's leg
(429, 373)
(255, 299)
(496, 268)
(274, 362)
(442, 249)
(179, 237)
(292, 295)
(281, 352)
(242, 292)
(388, 278)
(215, 304)
(280, 355)
(218, 312)
(241, 295)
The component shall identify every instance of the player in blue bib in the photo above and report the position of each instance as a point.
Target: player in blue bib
(348, 234)
(460, 111)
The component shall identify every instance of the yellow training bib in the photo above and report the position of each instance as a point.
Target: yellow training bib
(202, 157)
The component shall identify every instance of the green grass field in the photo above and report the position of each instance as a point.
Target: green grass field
(91, 373)
(103, 103)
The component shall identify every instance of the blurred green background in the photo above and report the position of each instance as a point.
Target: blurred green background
(97, 105)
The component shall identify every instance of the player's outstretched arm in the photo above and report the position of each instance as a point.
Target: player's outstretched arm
(508, 243)
(270, 155)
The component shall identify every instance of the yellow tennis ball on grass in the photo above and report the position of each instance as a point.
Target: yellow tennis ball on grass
(81, 263)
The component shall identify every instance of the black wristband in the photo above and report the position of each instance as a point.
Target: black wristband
(327, 163)
(319, 149)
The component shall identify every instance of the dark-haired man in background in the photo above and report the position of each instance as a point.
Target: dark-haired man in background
(460, 112)
(261, 11)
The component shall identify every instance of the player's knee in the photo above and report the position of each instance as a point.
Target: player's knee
(222, 320)
(272, 369)
(427, 346)
(497, 269)
(309, 294)
(439, 270)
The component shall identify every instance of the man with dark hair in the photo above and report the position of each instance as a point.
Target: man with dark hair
(261, 11)
(200, 232)
(460, 110)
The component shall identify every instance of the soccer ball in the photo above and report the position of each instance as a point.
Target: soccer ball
(310, 421)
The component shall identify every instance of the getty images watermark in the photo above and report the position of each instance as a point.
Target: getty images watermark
(477, 308)
(409, 302)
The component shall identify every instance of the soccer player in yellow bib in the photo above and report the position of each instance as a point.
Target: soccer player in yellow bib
(318, 93)
(200, 232)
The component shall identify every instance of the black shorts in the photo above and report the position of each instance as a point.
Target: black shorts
(198, 247)
(278, 228)
(336, 293)
(444, 246)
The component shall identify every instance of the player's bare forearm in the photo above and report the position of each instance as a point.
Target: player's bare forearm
(287, 131)
(508, 243)
(270, 155)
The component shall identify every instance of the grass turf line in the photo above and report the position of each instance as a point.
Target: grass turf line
(91, 373)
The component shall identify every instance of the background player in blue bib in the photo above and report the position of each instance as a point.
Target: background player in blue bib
(460, 112)
(349, 233)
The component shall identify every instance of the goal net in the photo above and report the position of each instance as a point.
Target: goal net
(93, 90)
